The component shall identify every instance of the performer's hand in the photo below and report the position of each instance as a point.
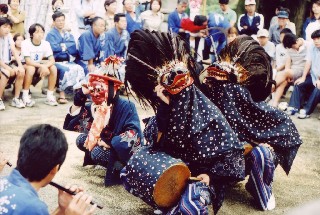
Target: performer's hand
(91, 68)
(80, 205)
(103, 144)
(64, 199)
(159, 90)
(300, 80)
(3, 161)
(204, 178)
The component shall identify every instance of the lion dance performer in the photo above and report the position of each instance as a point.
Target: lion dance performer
(187, 126)
(109, 125)
(238, 84)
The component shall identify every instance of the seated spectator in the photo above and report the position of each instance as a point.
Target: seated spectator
(116, 41)
(174, 19)
(152, 19)
(35, 50)
(110, 125)
(133, 19)
(274, 19)
(90, 46)
(64, 50)
(4, 11)
(312, 27)
(269, 47)
(227, 12)
(20, 189)
(281, 53)
(283, 21)
(58, 6)
(308, 83)
(85, 11)
(9, 71)
(17, 17)
(297, 51)
(232, 34)
(314, 15)
(110, 7)
(17, 39)
(250, 22)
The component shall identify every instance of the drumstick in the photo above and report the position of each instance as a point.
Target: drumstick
(194, 179)
(70, 192)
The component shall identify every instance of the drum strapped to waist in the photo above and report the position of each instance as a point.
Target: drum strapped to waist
(156, 177)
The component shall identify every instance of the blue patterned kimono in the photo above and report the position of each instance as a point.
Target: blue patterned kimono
(69, 73)
(90, 48)
(116, 44)
(132, 24)
(123, 133)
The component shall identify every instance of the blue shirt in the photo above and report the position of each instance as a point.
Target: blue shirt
(115, 43)
(313, 56)
(19, 197)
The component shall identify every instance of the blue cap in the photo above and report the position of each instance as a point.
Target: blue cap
(283, 14)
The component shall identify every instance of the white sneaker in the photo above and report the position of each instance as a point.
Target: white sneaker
(302, 114)
(28, 102)
(51, 100)
(18, 103)
(2, 107)
(283, 106)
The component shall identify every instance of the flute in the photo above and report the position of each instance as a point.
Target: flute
(9, 164)
(70, 192)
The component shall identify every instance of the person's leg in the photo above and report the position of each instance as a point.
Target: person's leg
(299, 93)
(313, 101)
(261, 166)
(278, 93)
(30, 72)
(52, 79)
(61, 82)
(16, 101)
(4, 78)
(100, 156)
(81, 139)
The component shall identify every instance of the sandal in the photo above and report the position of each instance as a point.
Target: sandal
(62, 100)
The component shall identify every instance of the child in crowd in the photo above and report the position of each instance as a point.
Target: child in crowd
(297, 51)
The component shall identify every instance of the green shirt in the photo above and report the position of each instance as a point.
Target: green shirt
(230, 15)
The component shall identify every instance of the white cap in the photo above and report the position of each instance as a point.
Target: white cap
(248, 2)
(263, 33)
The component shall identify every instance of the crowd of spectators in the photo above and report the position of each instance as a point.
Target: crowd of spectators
(75, 41)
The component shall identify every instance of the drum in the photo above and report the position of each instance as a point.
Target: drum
(155, 177)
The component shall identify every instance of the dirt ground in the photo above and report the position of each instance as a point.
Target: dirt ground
(302, 185)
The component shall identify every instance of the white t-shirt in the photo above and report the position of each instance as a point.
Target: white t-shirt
(36, 53)
(270, 49)
(281, 55)
(313, 26)
(5, 49)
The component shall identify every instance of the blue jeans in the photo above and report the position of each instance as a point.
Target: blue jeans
(300, 93)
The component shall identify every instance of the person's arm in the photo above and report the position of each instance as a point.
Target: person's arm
(240, 24)
(172, 25)
(306, 71)
(261, 22)
(233, 19)
(5, 66)
(17, 19)
(55, 46)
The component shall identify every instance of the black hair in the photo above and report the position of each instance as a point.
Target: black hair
(4, 8)
(9, 1)
(223, 1)
(15, 37)
(117, 17)
(5, 21)
(289, 40)
(199, 20)
(285, 31)
(57, 15)
(42, 147)
(108, 2)
(33, 28)
(95, 19)
(315, 34)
